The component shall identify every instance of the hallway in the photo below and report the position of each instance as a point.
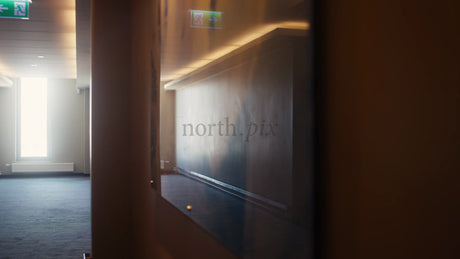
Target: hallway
(46, 217)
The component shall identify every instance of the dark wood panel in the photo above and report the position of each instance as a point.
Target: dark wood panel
(235, 123)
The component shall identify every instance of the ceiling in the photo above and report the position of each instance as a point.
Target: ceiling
(185, 48)
(43, 45)
(55, 41)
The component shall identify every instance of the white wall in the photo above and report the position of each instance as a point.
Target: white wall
(7, 126)
(167, 127)
(67, 124)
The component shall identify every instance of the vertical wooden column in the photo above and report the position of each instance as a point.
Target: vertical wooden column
(391, 103)
(129, 218)
(145, 105)
(125, 68)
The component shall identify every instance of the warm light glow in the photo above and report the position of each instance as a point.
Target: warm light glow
(200, 62)
(5, 81)
(33, 117)
(5, 70)
(69, 38)
(301, 25)
(70, 53)
(221, 52)
(245, 39)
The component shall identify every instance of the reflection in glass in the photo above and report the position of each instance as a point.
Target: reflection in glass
(237, 120)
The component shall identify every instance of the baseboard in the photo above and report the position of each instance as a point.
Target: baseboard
(41, 167)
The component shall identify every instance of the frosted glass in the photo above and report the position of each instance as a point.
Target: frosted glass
(33, 117)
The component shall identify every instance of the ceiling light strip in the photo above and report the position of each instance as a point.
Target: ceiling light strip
(232, 46)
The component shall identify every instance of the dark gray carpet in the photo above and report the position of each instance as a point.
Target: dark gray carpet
(47, 217)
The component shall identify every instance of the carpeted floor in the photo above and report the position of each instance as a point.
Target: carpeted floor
(45, 217)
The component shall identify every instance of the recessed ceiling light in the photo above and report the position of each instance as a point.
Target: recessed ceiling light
(34, 65)
(40, 56)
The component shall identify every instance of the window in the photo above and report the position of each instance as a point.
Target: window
(33, 137)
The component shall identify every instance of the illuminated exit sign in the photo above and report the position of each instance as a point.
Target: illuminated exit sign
(205, 19)
(14, 9)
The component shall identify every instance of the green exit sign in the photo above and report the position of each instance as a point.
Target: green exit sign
(14, 9)
(205, 19)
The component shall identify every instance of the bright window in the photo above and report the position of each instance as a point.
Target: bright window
(33, 137)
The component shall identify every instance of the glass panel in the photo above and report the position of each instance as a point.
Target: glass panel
(236, 122)
(33, 117)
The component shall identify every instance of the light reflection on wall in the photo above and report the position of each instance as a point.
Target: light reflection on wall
(69, 39)
(233, 45)
(5, 70)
